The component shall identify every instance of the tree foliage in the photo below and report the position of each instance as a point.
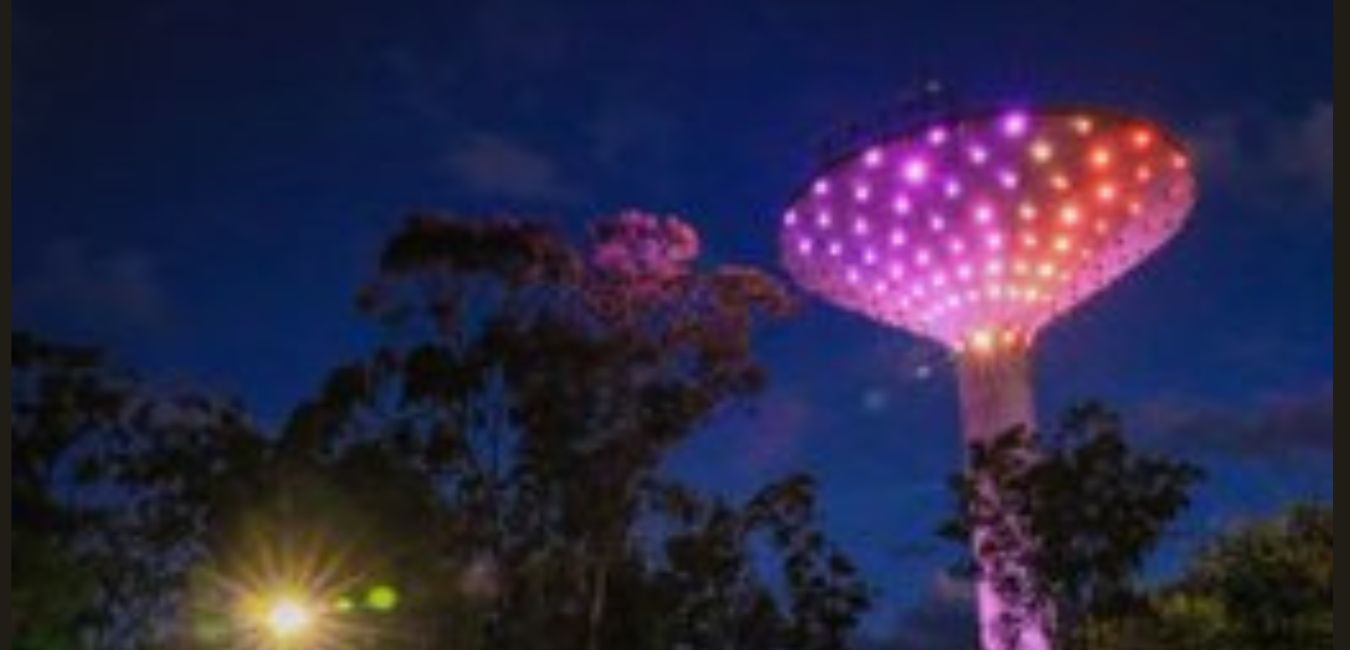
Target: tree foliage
(1265, 584)
(1092, 507)
(495, 461)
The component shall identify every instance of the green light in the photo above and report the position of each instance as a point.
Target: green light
(344, 604)
(381, 598)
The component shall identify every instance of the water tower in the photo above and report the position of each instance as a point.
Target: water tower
(977, 228)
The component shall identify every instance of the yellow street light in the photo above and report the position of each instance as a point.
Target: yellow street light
(288, 618)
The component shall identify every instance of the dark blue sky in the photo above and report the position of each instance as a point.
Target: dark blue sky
(203, 184)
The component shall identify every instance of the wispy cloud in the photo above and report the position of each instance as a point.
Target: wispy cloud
(495, 165)
(1273, 162)
(1280, 427)
(92, 290)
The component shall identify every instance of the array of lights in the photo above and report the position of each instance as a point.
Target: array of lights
(978, 231)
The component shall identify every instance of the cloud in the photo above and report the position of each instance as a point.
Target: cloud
(1283, 425)
(943, 619)
(633, 133)
(495, 165)
(1272, 162)
(89, 289)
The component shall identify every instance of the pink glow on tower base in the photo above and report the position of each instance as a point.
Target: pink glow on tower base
(996, 397)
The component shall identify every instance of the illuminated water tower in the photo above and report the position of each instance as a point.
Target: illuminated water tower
(977, 228)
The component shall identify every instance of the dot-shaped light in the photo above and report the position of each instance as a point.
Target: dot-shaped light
(1041, 151)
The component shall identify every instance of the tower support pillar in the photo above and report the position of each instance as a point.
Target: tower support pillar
(996, 397)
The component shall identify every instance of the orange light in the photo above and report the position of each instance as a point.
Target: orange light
(1027, 211)
(1062, 244)
(1041, 151)
(982, 341)
(1060, 182)
(1082, 125)
(1101, 157)
(1106, 192)
(1046, 269)
(1142, 138)
(1070, 215)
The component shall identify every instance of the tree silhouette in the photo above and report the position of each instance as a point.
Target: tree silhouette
(1093, 507)
(493, 466)
(1263, 584)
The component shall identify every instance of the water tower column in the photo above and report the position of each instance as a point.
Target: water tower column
(995, 394)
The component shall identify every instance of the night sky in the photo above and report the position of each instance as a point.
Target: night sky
(201, 186)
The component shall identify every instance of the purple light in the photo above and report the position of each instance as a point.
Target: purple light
(1015, 124)
(916, 171)
(988, 196)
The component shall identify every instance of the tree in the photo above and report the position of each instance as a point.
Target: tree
(1265, 584)
(101, 518)
(492, 468)
(1093, 507)
(62, 397)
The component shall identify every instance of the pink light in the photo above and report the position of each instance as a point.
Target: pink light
(916, 171)
(1014, 124)
(988, 197)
